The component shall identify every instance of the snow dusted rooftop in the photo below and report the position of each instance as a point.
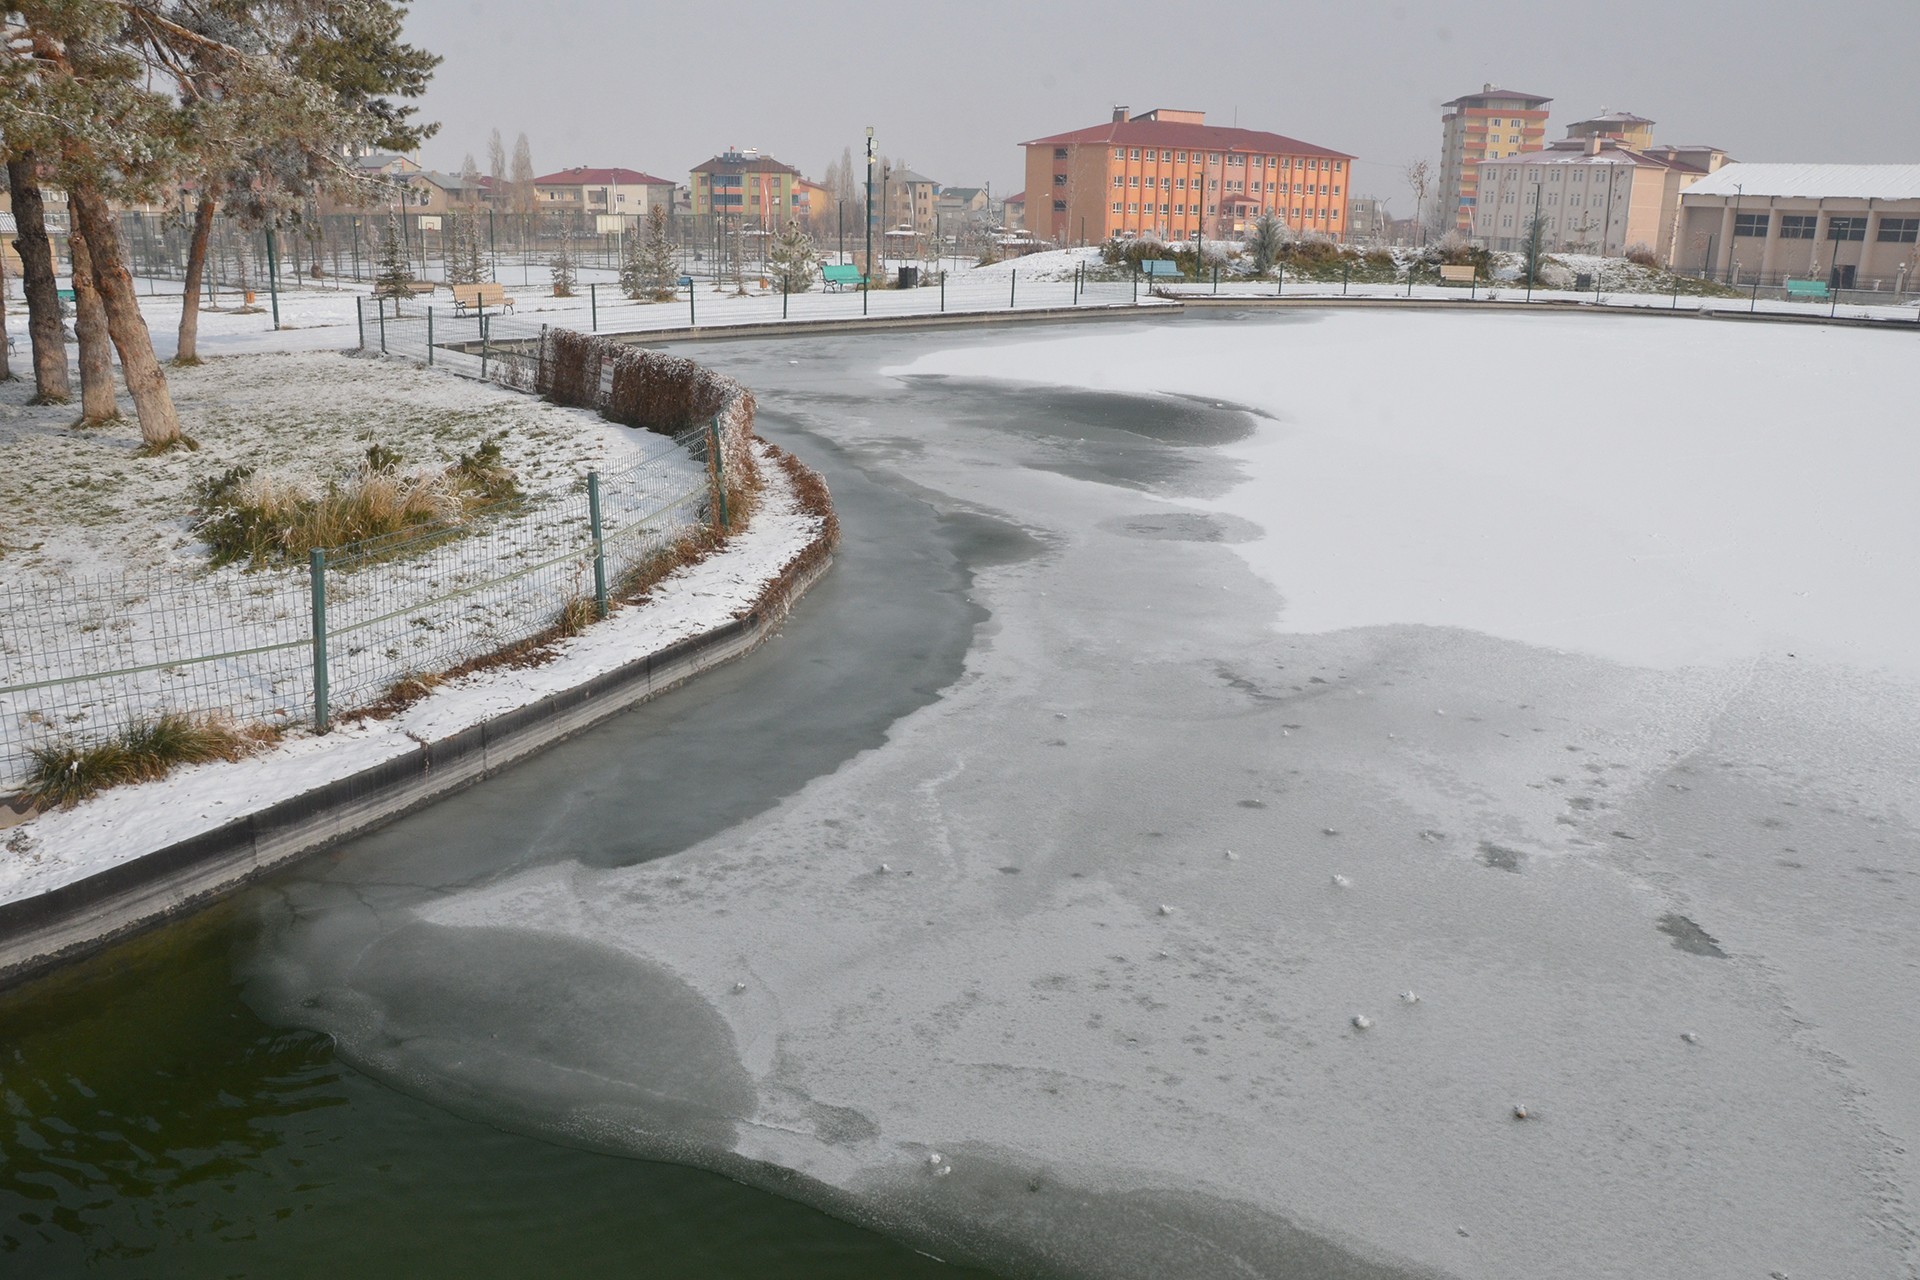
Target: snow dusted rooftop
(1813, 181)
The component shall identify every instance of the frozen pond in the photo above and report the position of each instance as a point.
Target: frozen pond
(1190, 694)
(1121, 922)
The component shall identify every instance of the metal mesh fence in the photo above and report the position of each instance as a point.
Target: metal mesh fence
(84, 658)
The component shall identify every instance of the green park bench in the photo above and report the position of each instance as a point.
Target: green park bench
(66, 295)
(1815, 289)
(839, 277)
(1162, 269)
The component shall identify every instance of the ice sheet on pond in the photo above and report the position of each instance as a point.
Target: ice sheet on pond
(1007, 932)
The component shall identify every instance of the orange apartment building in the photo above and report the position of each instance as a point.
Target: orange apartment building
(1171, 175)
(1490, 125)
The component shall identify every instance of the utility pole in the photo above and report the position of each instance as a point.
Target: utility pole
(869, 267)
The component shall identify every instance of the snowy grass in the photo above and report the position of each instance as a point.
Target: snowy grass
(81, 502)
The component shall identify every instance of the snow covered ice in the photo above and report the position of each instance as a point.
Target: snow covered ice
(1651, 875)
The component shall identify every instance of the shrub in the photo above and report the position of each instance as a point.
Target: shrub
(263, 520)
(1641, 254)
(145, 750)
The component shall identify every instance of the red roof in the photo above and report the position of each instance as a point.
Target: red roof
(1202, 137)
(601, 177)
(1018, 198)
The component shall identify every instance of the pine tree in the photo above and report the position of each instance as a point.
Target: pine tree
(453, 252)
(562, 267)
(659, 264)
(475, 258)
(794, 257)
(633, 280)
(395, 279)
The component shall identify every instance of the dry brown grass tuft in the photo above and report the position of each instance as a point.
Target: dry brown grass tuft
(142, 752)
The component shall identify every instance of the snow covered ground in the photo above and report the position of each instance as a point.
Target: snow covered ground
(1325, 789)
(63, 845)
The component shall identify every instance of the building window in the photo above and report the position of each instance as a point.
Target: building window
(1133, 206)
(1899, 231)
(1163, 208)
(1213, 208)
(1179, 208)
(1798, 226)
(1059, 179)
(1059, 153)
(1180, 157)
(1336, 188)
(1134, 181)
(1135, 154)
(1059, 206)
(1119, 181)
(1116, 206)
(1846, 228)
(1213, 157)
(1166, 184)
(1119, 153)
(1751, 224)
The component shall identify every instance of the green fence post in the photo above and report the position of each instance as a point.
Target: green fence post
(786, 288)
(943, 293)
(1753, 303)
(593, 308)
(1346, 274)
(273, 278)
(1280, 282)
(1136, 284)
(429, 337)
(719, 470)
(486, 333)
(1412, 267)
(360, 318)
(317, 574)
(383, 326)
(599, 544)
(1013, 285)
(693, 319)
(1216, 277)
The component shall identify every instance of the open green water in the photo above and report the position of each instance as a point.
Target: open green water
(155, 1126)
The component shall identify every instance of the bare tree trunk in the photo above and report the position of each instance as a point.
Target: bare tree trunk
(51, 382)
(189, 352)
(146, 380)
(97, 402)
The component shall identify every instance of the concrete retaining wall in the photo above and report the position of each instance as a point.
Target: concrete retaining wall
(89, 914)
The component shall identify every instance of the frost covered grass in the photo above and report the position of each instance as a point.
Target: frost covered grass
(146, 750)
(81, 502)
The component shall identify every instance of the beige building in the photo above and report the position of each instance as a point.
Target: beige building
(1624, 127)
(1490, 125)
(909, 203)
(587, 193)
(1592, 195)
(1852, 226)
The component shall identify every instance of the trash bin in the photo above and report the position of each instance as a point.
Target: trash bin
(910, 277)
(1583, 280)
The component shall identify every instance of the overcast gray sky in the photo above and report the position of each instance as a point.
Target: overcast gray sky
(954, 88)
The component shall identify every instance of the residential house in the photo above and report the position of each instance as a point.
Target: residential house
(579, 196)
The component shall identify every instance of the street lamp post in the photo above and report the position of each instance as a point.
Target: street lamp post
(869, 267)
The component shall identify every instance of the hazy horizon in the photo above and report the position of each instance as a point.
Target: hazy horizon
(955, 96)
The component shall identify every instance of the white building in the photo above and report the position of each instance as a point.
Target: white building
(1852, 226)
(1593, 195)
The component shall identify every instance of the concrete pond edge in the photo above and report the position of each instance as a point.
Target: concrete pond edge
(87, 915)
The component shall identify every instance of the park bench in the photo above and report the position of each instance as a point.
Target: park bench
(66, 295)
(839, 277)
(1162, 269)
(1456, 275)
(478, 297)
(1807, 289)
(685, 282)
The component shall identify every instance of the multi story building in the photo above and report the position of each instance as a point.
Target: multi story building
(1171, 175)
(1854, 226)
(1013, 211)
(1368, 221)
(746, 185)
(1592, 193)
(909, 204)
(1624, 127)
(582, 194)
(1490, 125)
